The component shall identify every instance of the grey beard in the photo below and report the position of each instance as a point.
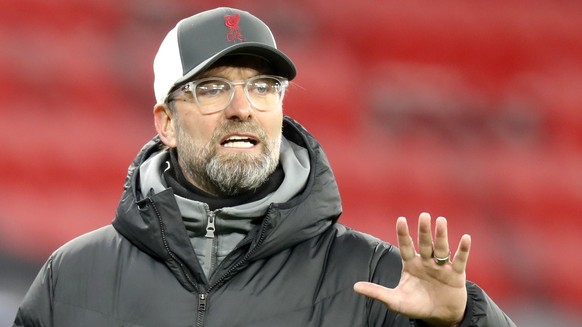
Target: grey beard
(227, 175)
(235, 175)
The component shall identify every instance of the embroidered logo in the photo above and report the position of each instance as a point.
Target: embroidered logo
(234, 33)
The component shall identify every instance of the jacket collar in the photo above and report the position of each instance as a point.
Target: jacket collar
(153, 223)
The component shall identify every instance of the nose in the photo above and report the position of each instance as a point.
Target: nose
(240, 107)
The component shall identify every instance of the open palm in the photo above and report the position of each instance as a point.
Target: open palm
(429, 289)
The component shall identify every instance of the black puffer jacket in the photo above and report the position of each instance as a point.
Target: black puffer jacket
(297, 268)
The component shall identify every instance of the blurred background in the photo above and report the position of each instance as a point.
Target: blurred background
(471, 110)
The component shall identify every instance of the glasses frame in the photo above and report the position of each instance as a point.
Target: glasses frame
(190, 87)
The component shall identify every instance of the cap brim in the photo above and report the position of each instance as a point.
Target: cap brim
(281, 64)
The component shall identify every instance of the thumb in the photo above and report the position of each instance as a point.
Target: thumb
(374, 291)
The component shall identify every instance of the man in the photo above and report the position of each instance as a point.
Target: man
(229, 216)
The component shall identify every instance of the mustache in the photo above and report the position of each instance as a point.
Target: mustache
(233, 127)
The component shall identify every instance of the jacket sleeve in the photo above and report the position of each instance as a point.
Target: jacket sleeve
(36, 308)
(481, 311)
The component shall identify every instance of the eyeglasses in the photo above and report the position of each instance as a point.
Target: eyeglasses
(213, 94)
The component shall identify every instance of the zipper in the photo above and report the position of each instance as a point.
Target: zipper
(202, 301)
(210, 237)
(167, 247)
(210, 233)
(211, 242)
(210, 227)
(202, 297)
(245, 258)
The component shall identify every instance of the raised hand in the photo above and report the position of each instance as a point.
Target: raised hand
(432, 287)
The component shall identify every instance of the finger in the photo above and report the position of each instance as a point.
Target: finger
(404, 240)
(441, 241)
(374, 291)
(462, 254)
(424, 236)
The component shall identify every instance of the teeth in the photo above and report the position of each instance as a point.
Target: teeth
(238, 144)
(236, 138)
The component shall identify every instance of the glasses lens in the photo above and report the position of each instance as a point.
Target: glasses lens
(265, 92)
(213, 94)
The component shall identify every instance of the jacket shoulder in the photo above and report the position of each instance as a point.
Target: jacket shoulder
(104, 234)
(356, 240)
(97, 243)
(379, 255)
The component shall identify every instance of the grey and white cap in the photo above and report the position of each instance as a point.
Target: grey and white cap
(200, 40)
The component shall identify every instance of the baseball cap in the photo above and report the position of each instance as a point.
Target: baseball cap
(200, 40)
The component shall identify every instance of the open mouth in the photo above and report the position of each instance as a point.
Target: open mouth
(239, 141)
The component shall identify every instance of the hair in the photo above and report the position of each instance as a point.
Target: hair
(170, 104)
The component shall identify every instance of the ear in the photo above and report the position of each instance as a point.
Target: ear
(164, 126)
